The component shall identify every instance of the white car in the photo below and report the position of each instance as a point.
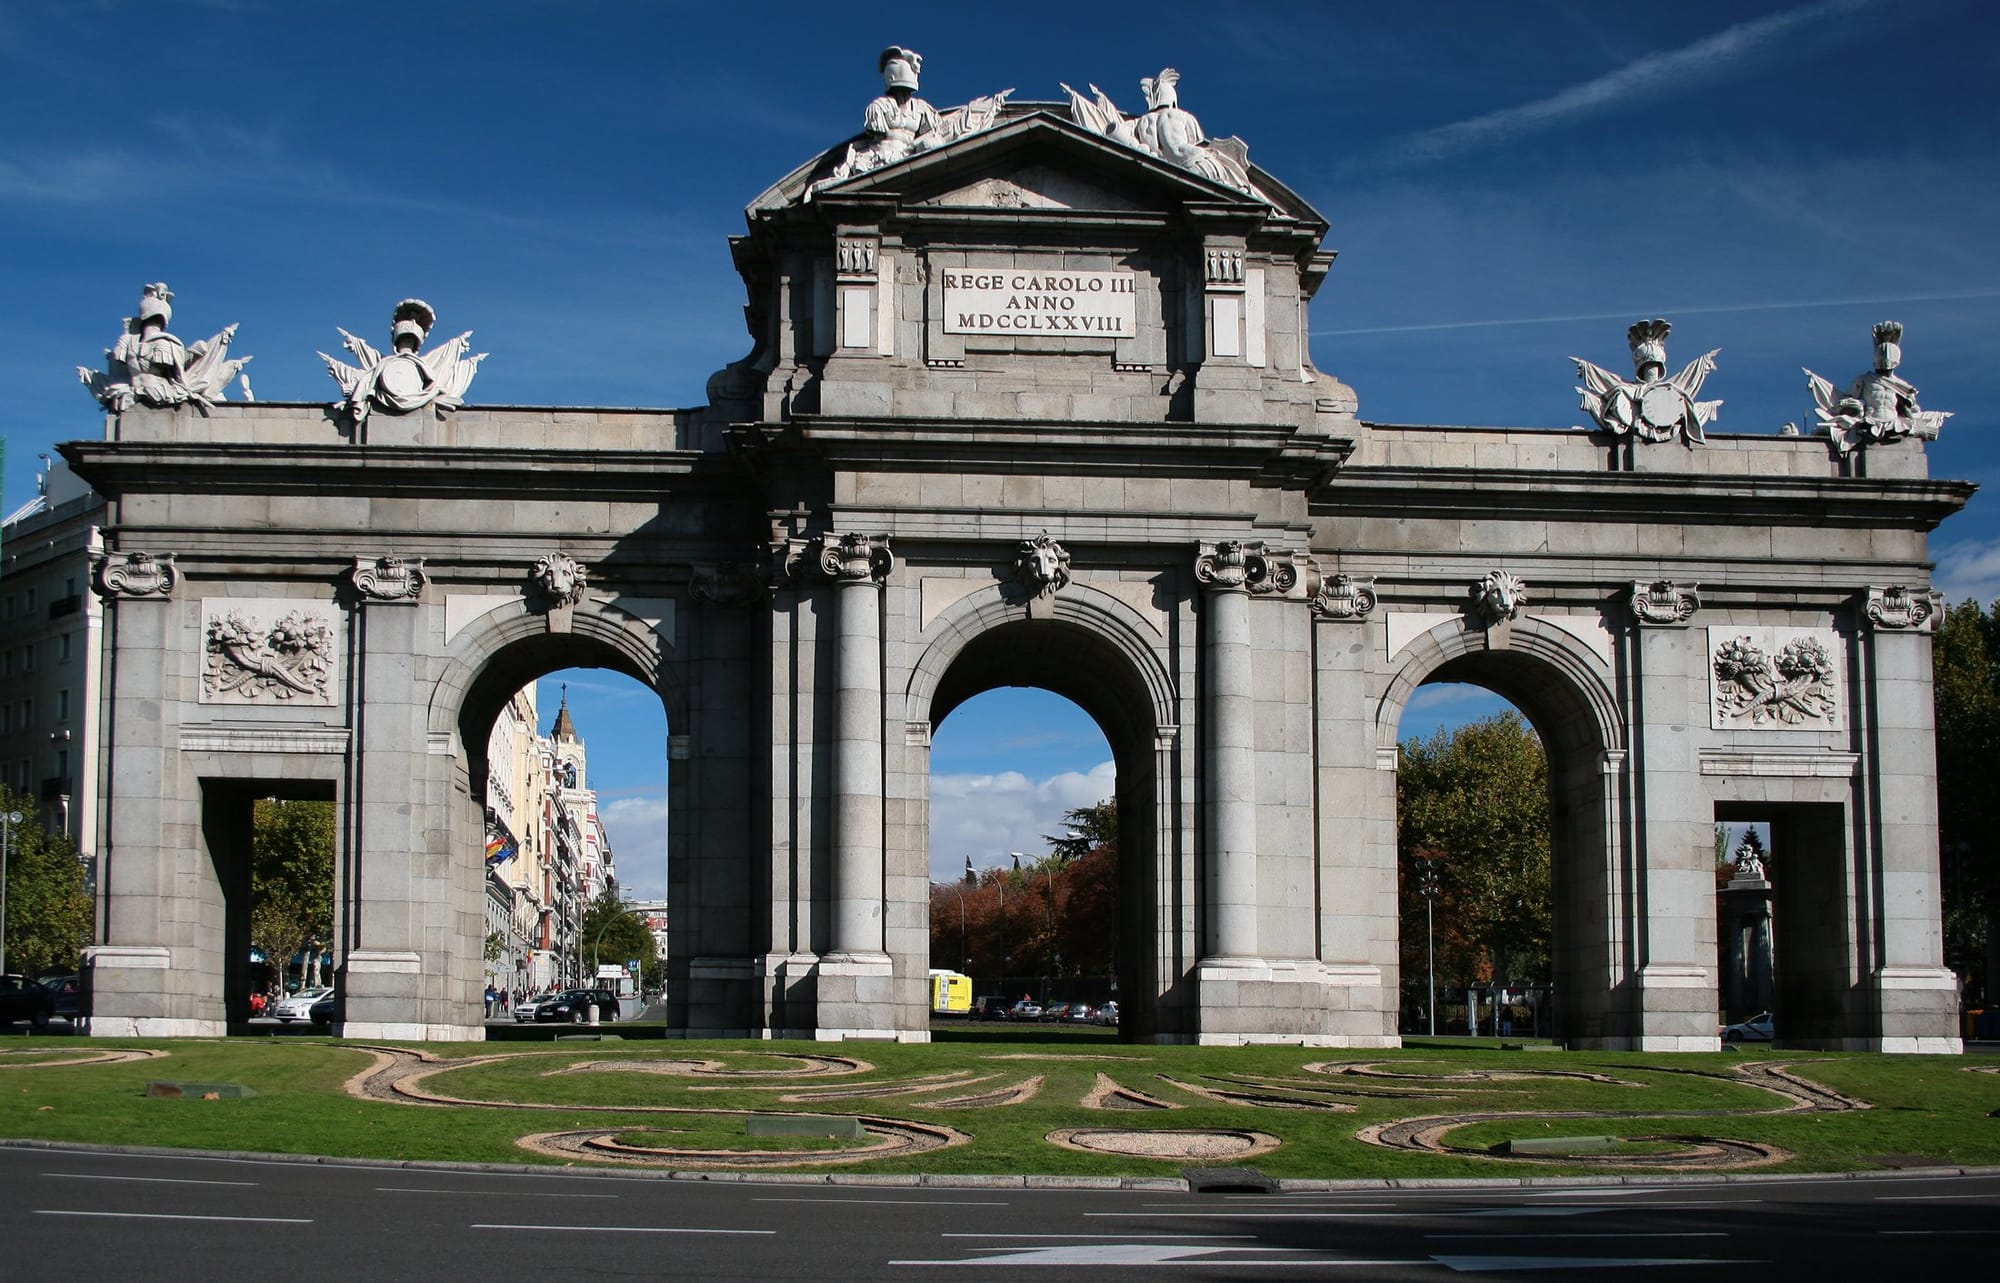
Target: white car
(296, 1008)
(524, 1010)
(1756, 1029)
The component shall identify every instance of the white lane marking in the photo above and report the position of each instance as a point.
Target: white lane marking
(1155, 1254)
(1929, 1198)
(1279, 1216)
(1538, 1237)
(1283, 1202)
(1494, 1264)
(1203, 1238)
(151, 1180)
(473, 1193)
(618, 1229)
(165, 1216)
(894, 1202)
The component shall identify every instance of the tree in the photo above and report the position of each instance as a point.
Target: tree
(1476, 800)
(49, 910)
(615, 933)
(1018, 922)
(291, 882)
(1965, 665)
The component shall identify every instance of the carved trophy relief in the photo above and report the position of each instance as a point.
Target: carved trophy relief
(1167, 131)
(406, 379)
(259, 651)
(1880, 405)
(149, 366)
(1649, 406)
(1774, 678)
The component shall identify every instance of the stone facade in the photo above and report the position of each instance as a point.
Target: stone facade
(813, 570)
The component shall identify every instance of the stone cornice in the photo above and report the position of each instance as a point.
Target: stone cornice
(1518, 494)
(116, 468)
(1275, 455)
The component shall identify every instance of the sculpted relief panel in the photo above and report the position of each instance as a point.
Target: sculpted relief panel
(267, 650)
(1774, 678)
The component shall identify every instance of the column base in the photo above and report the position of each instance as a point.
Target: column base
(396, 1031)
(1918, 1012)
(154, 1027)
(1299, 1002)
(1677, 1009)
(132, 995)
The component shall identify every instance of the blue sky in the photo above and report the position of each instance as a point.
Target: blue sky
(1507, 185)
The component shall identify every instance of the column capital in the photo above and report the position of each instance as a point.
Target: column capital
(1244, 565)
(855, 558)
(1900, 609)
(135, 576)
(1343, 597)
(1664, 603)
(389, 579)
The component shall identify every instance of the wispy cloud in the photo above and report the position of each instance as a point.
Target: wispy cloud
(1969, 569)
(1673, 70)
(1625, 313)
(637, 827)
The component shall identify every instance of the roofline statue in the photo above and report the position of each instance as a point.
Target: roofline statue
(149, 366)
(1880, 405)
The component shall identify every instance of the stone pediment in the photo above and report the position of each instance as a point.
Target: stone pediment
(1034, 160)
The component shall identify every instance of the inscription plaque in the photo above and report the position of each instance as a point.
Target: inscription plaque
(1029, 301)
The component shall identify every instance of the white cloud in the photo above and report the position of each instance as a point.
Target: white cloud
(987, 816)
(1970, 568)
(637, 827)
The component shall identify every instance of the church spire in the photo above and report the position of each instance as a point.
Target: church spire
(565, 729)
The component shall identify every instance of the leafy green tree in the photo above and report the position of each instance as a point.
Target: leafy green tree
(49, 910)
(1965, 661)
(1019, 922)
(612, 932)
(291, 881)
(1476, 801)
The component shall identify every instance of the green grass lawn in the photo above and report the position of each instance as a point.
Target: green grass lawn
(1931, 1107)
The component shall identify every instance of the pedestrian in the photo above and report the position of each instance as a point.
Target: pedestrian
(491, 997)
(503, 1002)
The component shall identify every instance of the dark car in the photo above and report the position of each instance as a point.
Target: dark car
(24, 999)
(572, 1006)
(68, 991)
(321, 1013)
(990, 1007)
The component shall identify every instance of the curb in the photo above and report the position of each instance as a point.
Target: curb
(1146, 1184)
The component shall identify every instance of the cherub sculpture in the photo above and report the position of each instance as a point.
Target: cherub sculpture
(1167, 131)
(149, 366)
(1879, 406)
(1651, 406)
(404, 381)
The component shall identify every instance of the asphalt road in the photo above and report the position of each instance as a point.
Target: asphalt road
(80, 1215)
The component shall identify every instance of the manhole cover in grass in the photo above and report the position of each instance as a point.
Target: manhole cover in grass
(1164, 1143)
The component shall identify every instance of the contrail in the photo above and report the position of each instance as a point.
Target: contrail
(1674, 69)
(1629, 313)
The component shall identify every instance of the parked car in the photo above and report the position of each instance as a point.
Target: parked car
(990, 1007)
(68, 991)
(322, 1012)
(1081, 1013)
(572, 1006)
(1056, 1011)
(1108, 1014)
(296, 1008)
(1026, 1009)
(23, 999)
(1757, 1028)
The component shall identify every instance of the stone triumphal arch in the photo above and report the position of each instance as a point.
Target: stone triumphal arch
(1029, 400)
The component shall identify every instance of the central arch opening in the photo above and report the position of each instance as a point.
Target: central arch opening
(1075, 680)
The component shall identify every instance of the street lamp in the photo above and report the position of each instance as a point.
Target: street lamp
(958, 888)
(1427, 886)
(7, 823)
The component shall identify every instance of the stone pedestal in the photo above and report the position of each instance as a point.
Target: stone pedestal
(1748, 954)
(1294, 1002)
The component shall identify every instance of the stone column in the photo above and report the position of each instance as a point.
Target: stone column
(1229, 756)
(859, 564)
(1674, 827)
(156, 971)
(1916, 997)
